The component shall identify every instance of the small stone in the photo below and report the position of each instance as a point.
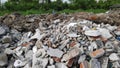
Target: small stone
(2, 31)
(3, 59)
(74, 52)
(116, 65)
(55, 52)
(56, 59)
(105, 62)
(34, 49)
(70, 63)
(39, 44)
(60, 65)
(117, 32)
(70, 25)
(56, 21)
(18, 63)
(44, 62)
(6, 39)
(30, 20)
(39, 62)
(73, 43)
(81, 59)
(85, 28)
(64, 43)
(9, 51)
(109, 46)
(52, 66)
(94, 63)
(40, 53)
(114, 57)
(99, 43)
(37, 35)
(51, 61)
(97, 53)
(84, 64)
(73, 35)
(92, 46)
(16, 35)
(112, 28)
(18, 51)
(29, 54)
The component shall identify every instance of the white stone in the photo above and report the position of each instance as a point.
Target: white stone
(112, 28)
(29, 54)
(56, 21)
(52, 66)
(42, 62)
(116, 65)
(40, 53)
(45, 62)
(18, 51)
(114, 57)
(70, 25)
(109, 46)
(105, 33)
(92, 46)
(9, 51)
(73, 35)
(81, 59)
(85, 22)
(36, 35)
(34, 49)
(85, 28)
(117, 32)
(60, 65)
(55, 52)
(18, 63)
(51, 61)
(92, 33)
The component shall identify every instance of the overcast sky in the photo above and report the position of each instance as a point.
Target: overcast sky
(2, 1)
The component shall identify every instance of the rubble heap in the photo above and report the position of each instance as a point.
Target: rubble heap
(31, 22)
(57, 41)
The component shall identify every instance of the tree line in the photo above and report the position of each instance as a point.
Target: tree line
(58, 5)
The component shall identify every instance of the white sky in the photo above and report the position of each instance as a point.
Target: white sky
(3, 1)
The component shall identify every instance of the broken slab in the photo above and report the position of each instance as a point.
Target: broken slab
(92, 33)
(72, 53)
(105, 33)
(55, 52)
(97, 53)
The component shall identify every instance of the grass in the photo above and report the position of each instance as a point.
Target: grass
(50, 11)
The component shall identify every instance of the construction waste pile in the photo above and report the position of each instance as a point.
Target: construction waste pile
(79, 40)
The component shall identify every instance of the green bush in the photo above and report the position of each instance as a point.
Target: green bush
(33, 6)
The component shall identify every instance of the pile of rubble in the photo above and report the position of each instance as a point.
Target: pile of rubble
(30, 22)
(57, 41)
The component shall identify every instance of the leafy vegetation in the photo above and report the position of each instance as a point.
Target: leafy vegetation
(46, 6)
